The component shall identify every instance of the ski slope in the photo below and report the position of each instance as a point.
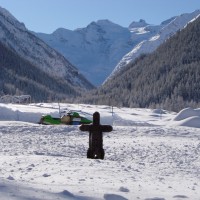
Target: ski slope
(149, 155)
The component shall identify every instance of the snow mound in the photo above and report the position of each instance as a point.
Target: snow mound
(158, 111)
(31, 114)
(66, 193)
(190, 122)
(186, 113)
(187, 117)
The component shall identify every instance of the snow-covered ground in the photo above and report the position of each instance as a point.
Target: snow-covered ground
(149, 155)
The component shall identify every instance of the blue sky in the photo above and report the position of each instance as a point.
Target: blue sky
(48, 15)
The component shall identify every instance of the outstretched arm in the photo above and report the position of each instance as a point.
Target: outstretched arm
(106, 128)
(84, 127)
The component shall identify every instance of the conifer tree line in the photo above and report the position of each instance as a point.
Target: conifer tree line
(169, 78)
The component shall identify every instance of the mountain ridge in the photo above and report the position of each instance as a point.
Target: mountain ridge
(95, 47)
(18, 38)
(103, 47)
(170, 27)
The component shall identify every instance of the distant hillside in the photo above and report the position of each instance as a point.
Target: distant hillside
(33, 62)
(19, 76)
(168, 78)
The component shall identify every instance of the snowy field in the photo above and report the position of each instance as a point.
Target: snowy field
(149, 155)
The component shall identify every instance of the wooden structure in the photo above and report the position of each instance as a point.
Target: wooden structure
(96, 130)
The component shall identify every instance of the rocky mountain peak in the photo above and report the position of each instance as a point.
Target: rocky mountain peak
(139, 24)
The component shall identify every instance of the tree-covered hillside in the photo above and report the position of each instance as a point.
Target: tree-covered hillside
(168, 78)
(18, 76)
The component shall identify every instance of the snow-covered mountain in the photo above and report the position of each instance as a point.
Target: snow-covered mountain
(95, 50)
(16, 37)
(158, 34)
(103, 46)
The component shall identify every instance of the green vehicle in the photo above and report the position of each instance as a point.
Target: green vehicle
(72, 118)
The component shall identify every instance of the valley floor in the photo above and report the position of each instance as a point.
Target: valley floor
(147, 160)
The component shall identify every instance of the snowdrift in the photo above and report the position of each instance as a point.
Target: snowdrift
(187, 117)
(119, 117)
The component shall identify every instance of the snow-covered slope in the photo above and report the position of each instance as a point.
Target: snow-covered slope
(15, 36)
(146, 157)
(160, 34)
(102, 48)
(94, 49)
